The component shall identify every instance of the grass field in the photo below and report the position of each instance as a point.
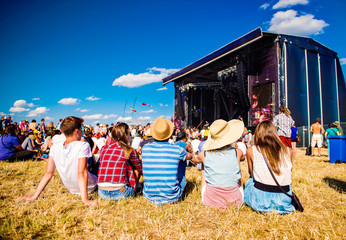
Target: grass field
(58, 214)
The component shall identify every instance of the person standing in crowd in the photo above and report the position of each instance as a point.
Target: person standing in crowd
(59, 124)
(331, 131)
(10, 146)
(221, 182)
(164, 165)
(317, 138)
(120, 167)
(340, 130)
(32, 125)
(50, 127)
(283, 123)
(69, 157)
(2, 123)
(261, 192)
(294, 136)
(97, 128)
(42, 127)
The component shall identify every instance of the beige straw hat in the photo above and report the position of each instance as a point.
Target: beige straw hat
(162, 129)
(223, 133)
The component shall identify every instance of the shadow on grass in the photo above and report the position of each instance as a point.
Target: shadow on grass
(336, 184)
(190, 186)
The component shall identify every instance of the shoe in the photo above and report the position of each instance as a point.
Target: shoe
(312, 155)
(319, 155)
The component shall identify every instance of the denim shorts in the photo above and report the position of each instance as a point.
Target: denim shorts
(115, 195)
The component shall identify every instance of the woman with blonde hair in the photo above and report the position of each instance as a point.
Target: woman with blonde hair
(221, 178)
(261, 192)
(120, 167)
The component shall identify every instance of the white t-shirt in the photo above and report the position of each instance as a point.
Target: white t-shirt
(100, 142)
(66, 162)
(58, 138)
(135, 142)
(195, 143)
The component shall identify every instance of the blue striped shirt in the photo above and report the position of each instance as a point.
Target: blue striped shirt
(163, 170)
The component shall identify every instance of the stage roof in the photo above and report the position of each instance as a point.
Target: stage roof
(303, 42)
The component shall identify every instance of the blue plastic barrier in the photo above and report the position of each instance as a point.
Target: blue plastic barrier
(337, 145)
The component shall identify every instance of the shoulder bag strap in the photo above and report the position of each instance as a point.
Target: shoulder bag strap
(271, 173)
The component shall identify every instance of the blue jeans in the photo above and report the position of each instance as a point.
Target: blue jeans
(115, 195)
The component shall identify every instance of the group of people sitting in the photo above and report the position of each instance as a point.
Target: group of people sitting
(163, 163)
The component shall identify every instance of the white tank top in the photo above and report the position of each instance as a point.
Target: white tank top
(261, 172)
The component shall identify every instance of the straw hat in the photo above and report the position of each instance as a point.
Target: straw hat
(223, 133)
(162, 129)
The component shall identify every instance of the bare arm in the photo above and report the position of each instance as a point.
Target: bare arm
(19, 147)
(44, 181)
(200, 157)
(83, 181)
(249, 158)
(240, 155)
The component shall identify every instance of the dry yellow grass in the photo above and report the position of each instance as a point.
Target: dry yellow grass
(57, 214)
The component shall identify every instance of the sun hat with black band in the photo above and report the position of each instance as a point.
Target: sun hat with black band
(162, 129)
(223, 133)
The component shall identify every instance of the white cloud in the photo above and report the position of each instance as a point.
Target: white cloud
(81, 110)
(148, 111)
(48, 118)
(69, 101)
(288, 22)
(2, 113)
(161, 89)
(264, 6)
(163, 105)
(109, 116)
(124, 119)
(99, 116)
(343, 61)
(22, 103)
(94, 116)
(36, 99)
(131, 80)
(289, 3)
(18, 109)
(37, 111)
(92, 98)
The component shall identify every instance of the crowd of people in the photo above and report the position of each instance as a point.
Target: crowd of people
(113, 158)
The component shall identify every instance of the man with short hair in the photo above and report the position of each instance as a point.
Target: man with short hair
(164, 165)
(317, 132)
(42, 127)
(69, 157)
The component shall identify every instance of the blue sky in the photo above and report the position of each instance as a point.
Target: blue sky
(92, 58)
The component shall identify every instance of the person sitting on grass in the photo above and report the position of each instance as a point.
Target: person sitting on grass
(10, 147)
(69, 157)
(221, 178)
(261, 192)
(164, 165)
(120, 167)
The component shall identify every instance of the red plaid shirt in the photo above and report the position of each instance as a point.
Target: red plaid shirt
(113, 165)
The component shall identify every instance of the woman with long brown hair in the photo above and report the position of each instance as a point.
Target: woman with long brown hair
(120, 166)
(261, 192)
